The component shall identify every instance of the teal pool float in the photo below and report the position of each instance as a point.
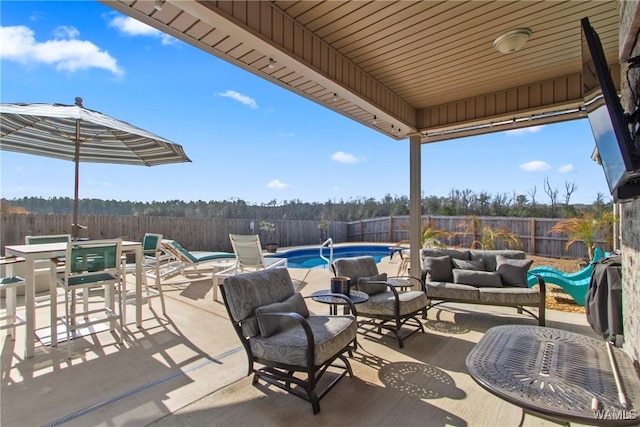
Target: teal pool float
(575, 284)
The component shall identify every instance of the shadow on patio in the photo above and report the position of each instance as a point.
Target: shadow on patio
(189, 369)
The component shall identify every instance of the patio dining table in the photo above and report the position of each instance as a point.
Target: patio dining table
(32, 253)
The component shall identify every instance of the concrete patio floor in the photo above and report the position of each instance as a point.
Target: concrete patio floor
(188, 368)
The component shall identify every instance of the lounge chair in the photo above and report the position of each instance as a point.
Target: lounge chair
(183, 259)
(249, 257)
(287, 346)
(389, 306)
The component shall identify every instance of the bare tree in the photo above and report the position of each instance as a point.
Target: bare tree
(570, 188)
(552, 193)
(467, 199)
(532, 193)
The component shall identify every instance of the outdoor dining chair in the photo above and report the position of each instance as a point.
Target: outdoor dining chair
(91, 264)
(9, 282)
(293, 348)
(42, 267)
(153, 256)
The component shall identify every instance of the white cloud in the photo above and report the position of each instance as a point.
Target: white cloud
(566, 168)
(524, 131)
(132, 27)
(277, 184)
(342, 157)
(64, 32)
(243, 99)
(535, 166)
(65, 52)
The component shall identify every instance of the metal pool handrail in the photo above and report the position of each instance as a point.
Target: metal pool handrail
(327, 243)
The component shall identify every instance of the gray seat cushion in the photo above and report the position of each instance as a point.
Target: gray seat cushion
(270, 325)
(453, 253)
(331, 334)
(383, 304)
(355, 268)
(445, 290)
(439, 268)
(479, 279)
(372, 288)
(510, 296)
(245, 297)
(489, 256)
(463, 264)
(513, 271)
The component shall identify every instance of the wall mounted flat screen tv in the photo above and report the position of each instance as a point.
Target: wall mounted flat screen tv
(616, 148)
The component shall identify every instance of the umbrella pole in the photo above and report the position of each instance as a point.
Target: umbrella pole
(74, 226)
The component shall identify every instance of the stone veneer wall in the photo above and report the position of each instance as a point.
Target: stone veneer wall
(630, 211)
(630, 246)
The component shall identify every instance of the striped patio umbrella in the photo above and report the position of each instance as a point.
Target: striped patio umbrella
(72, 132)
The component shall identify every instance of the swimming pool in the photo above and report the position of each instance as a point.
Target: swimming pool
(310, 257)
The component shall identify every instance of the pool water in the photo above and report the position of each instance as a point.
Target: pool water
(310, 257)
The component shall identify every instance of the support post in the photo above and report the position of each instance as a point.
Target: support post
(415, 202)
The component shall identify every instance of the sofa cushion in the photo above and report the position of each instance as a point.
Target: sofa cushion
(355, 267)
(372, 288)
(468, 265)
(452, 291)
(479, 279)
(270, 325)
(383, 304)
(513, 272)
(453, 253)
(489, 256)
(330, 334)
(509, 295)
(439, 268)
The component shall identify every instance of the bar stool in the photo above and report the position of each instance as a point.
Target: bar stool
(9, 283)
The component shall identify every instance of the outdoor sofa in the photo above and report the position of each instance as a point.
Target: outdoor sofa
(486, 277)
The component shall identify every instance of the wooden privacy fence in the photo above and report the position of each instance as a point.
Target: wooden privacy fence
(207, 234)
(196, 234)
(532, 232)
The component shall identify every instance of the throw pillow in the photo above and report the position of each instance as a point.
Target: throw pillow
(439, 268)
(372, 288)
(270, 325)
(479, 279)
(513, 271)
(468, 265)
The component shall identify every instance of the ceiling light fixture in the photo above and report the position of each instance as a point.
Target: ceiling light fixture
(512, 41)
(157, 4)
(335, 97)
(272, 63)
(375, 122)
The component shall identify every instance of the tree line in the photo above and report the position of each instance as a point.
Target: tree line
(457, 202)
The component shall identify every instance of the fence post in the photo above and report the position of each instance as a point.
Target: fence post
(391, 229)
(532, 231)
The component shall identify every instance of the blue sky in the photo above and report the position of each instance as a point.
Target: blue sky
(247, 138)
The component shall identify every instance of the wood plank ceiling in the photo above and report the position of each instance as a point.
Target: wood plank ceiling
(414, 66)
